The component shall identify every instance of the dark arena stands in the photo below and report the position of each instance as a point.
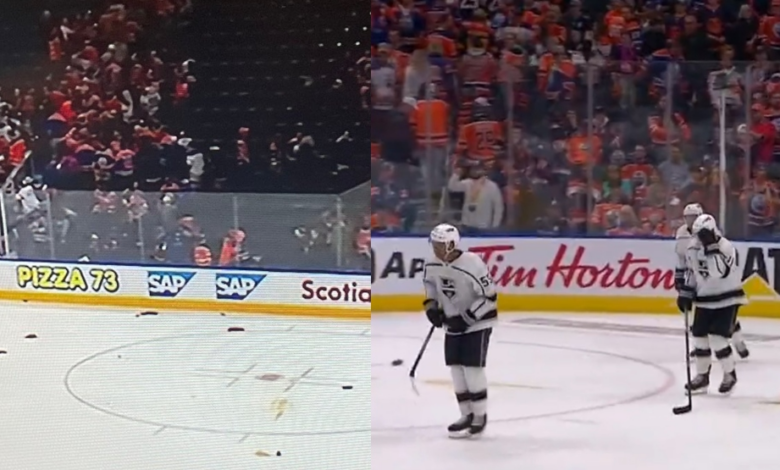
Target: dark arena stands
(575, 117)
(222, 132)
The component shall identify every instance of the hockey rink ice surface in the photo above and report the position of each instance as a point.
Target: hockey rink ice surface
(575, 392)
(112, 391)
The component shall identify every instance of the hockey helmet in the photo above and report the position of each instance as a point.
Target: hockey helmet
(445, 233)
(445, 239)
(691, 213)
(705, 222)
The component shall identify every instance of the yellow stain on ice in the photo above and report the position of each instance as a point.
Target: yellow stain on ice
(448, 384)
(262, 453)
(280, 407)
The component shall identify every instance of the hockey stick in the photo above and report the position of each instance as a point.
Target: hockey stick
(679, 410)
(413, 371)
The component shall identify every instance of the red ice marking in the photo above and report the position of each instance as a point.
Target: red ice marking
(270, 377)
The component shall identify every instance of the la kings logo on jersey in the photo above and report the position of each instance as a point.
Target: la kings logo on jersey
(448, 287)
(704, 270)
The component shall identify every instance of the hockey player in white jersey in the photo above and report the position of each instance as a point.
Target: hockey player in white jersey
(682, 239)
(714, 286)
(460, 297)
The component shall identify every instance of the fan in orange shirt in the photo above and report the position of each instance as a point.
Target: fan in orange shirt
(604, 212)
(615, 24)
(582, 149)
(553, 27)
(638, 173)
(769, 29)
(480, 138)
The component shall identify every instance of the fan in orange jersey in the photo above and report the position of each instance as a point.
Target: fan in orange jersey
(605, 212)
(479, 33)
(480, 138)
(552, 25)
(638, 173)
(440, 42)
(557, 74)
(363, 239)
(581, 148)
(202, 255)
(769, 30)
(662, 134)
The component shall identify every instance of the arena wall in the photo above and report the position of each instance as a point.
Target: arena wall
(590, 275)
(340, 295)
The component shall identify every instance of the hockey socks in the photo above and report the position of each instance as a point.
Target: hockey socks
(739, 342)
(702, 353)
(470, 384)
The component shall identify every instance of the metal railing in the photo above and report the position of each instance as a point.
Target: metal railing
(285, 231)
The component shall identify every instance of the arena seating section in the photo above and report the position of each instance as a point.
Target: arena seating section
(598, 118)
(280, 69)
(252, 99)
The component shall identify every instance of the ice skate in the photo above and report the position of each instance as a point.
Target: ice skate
(477, 427)
(729, 381)
(698, 385)
(460, 428)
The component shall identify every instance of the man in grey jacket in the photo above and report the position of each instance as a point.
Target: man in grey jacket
(483, 203)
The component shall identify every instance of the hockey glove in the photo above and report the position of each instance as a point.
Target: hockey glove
(709, 241)
(679, 279)
(685, 301)
(456, 324)
(434, 313)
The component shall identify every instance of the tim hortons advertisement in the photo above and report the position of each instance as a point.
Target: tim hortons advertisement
(545, 272)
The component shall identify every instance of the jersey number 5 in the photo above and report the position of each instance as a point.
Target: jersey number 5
(485, 281)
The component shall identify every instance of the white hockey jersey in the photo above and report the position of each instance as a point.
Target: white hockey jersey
(681, 242)
(715, 280)
(682, 239)
(464, 288)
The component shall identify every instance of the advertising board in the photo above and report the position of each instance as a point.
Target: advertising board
(567, 274)
(183, 289)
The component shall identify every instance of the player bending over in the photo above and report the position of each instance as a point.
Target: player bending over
(714, 286)
(460, 297)
(683, 238)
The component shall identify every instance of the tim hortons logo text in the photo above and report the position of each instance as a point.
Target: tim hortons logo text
(568, 268)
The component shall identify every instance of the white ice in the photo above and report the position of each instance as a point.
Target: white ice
(564, 398)
(106, 390)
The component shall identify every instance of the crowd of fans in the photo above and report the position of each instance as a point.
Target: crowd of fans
(571, 117)
(95, 166)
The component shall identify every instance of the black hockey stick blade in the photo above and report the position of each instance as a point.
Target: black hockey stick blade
(681, 410)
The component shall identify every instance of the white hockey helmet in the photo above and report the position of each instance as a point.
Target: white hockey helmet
(705, 222)
(691, 213)
(447, 234)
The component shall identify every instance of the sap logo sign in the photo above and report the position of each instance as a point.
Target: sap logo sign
(168, 284)
(237, 286)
